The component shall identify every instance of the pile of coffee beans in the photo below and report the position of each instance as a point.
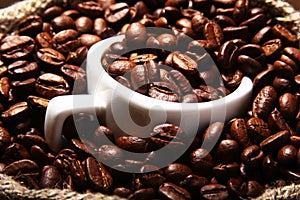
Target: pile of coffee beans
(42, 59)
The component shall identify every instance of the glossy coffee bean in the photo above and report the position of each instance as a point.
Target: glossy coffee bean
(15, 152)
(117, 14)
(176, 172)
(288, 106)
(284, 34)
(223, 172)
(50, 177)
(270, 167)
(66, 41)
(131, 143)
(84, 25)
(214, 34)
(263, 35)
(118, 68)
(214, 191)
(252, 156)
(258, 129)
(4, 139)
(30, 26)
(90, 8)
(50, 85)
(77, 57)
(287, 155)
(135, 35)
(122, 192)
(240, 10)
(274, 142)
(21, 167)
(238, 131)
(163, 91)
(50, 59)
(145, 193)
(52, 12)
(23, 69)
(43, 40)
(62, 22)
(15, 113)
(193, 183)
(272, 48)
(172, 191)
(201, 162)
(277, 122)
(227, 147)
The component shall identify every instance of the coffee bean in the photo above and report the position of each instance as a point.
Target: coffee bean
(84, 25)
(283, 69)
(176, 172)
(249, 65)
(62, 22)
(23, 69)
(238, 131)
(193, 183)
(293, 53)
(118, 68)
(227, 55)
(264, 102)
(16, 47)
(110, 155)
(171, 191)
(201, 162)
(223, 172)
(52, 12)
(15, 113)
(21, 167)
(50, 177)
(258, 129)
(66, 41)
(135, 35)
(117, 14)
(288, 106)
(90, 8)
(145, 193)
(263, 35)
(40, 156)
(15, 152)
(234, 32)
(255, 22)
(272, 48)
(4, 88)
(252, 156)
(284, 34)
(50, 85)
(274, 142)
(99, 178)
(214, 191)
(30, 26)
(43, 40)
(287, 155)
(51, 59)
(230, 148)
(254, 188)
(214, 34)
(131, 143)
(276, 121)
(77, 57)
(122, 192)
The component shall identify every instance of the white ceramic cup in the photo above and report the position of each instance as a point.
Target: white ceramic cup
(132, 113)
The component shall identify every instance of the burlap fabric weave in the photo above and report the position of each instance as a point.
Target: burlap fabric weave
(10, 189)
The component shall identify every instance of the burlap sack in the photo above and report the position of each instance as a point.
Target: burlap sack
(10, 189)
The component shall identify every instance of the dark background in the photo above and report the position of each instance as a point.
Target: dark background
(5, 3)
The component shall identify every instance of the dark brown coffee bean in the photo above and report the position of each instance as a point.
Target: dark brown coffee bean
(50, 59)
(272, 48)
(249, 65)
(193, 183)
(207, 93)
(277, 122)
(4, 139)
(255, 22)
(224, 21)
(117, 15)
(40, 156)
(77, 57)
(16, 112)
(258, 129)
(4, 89)
(289, 61)
(50, 85)
(284, 34)
(227, 151)
(171, 191)
(237, 186)
(213, 133)
(99, 178)
(135, 35)
(252, 156)
(233, 80)
(89, 40)
(234, 32)
(293, 53)
(131, 143)
(73, 73)
(43, 40)
(201, 162)
(63, 22)
(263, 35)
(23, 69)
(30, 140)
(238, 131)
(288, 106)
(74, 14)
(21, 167)
(30, 26)
(84, 25)
(223, 172)
(52, 12)
(214, 34)
(163, 91)
(214, 191)
(270, 167)
(191, 98)
(282, 85)
(287, 155)
(254, 188)
(66, 41)
(224, 3)
(227, 55)
(90, 8)
(283, 69)
(198, 22)
(14, 152)
(264, 102)
(110, 155)
(240, 10)
(16, 47)
(274, 142)
(50, 177)
(145, 193)
(176, 172)
(289, 174)
(122, 192)
(120, 67)
(295, 141)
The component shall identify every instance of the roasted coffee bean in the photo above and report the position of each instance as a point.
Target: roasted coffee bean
(171, 191)
(274, 142)
(293, 53)
(223, 172)
(16, 47)
(207, 93)
(193, 183)
(117, 15)
(63, 22)
(283, 69)
(289, 174)
(122, 192)
(50, 85)
(89, 40)
(52, 12)
(90, 8)
(295, 141)
(22, 69)
(255, 22)
(282, 85)
(110, 155)
(249, 65)
(238, 131)
(4, 139)
(258, 129)
(284, 34)
(4, 89)
(15, 113)
(270, 167)
(120, 67)
(272, 48)
(227, 55)
(20, 89)
(15, 152)
(66, 41)
(145, 193)
(73, 73)
(30, 26)
(77, 57)
(236, 32)
(40, 156)
(99, 178)
(23, 166)
(43, 40)
(176, 172)
(276, 121)
(201, 162)
(198, 23)
(213, 133)
(132, 143)
(163, 91)
(254, 188)
(214, 191)
(227, 151)
(214, 34)
(224, 21)
(264, 102)
(36, 102)
(84, 25)
(263, 35)
(287, 155)
(240, 10)
(30, 140)
(252, 156)
(288, 106)
(135, 35)
(50, 59)
(27, 180)
(50, 177)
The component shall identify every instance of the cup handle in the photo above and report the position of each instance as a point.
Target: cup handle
(61, 107)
